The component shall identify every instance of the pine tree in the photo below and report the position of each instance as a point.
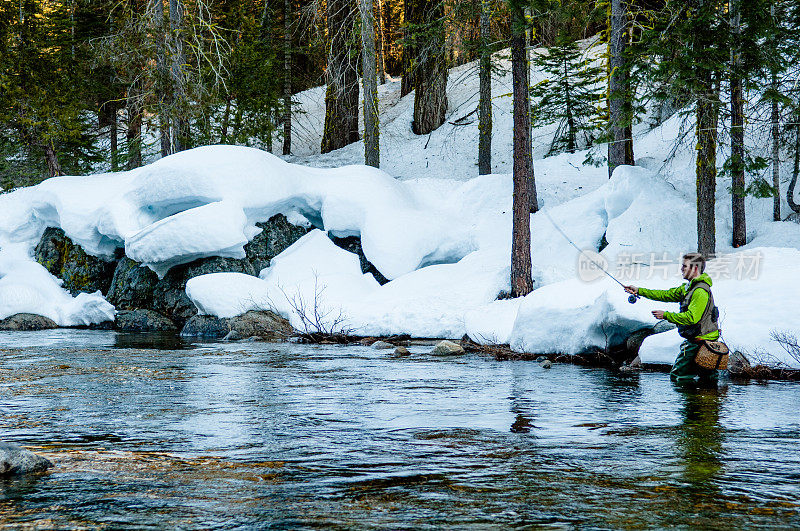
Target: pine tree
(571, 96)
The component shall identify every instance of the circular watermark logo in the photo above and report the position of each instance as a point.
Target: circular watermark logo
(591, 265)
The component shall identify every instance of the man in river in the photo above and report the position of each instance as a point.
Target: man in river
(697, 319)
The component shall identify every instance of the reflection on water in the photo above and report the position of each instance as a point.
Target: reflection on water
(249, 435)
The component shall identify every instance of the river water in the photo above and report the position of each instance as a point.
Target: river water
(149, 432)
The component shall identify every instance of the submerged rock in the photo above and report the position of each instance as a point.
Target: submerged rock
(69, 262)
(382, 345)
(142, 320)
(447, 348)
(27, 321)
(546, 364)
(276, 236)
(206, 326)
(402, 351)
(16, 460)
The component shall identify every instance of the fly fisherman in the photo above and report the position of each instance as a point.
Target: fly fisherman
(697, 319)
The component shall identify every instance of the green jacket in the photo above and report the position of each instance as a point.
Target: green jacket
(696, 306)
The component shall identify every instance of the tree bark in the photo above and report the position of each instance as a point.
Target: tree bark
(796, 169)
(163, 73)
(524, 184)
(380, 40)
(737, 134)
(341, 96)
(133, 135)
(620, 146)
(707, 117)
(50, 156)
(370, 84)
(485, 103)
(287, 77)
(430, 71)
(776, 153)
(180, 134)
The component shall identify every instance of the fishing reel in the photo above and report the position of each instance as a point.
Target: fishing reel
(633, 298)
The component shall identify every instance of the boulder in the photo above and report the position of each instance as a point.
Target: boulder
(142, 320)
(447, 348)
(16, 460)
(132, 285)
(738, 363)
(206, 326)
(401, 351)
(260, 324)
(27, 321)
(546, 364)
(276, 236)
(69, 262)
(169, 293)
(353, 244)
(382, 345)
(634, 341)
(263, 324)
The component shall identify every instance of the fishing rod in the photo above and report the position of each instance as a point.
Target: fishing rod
(631, 299)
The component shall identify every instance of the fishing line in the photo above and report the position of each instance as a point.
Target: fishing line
(631, 299)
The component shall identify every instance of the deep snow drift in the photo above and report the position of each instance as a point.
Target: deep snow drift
(441, 235)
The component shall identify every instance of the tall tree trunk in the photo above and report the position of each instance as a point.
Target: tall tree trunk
(112, 133)
(180, 134)
(50, 156)
(737, 134)
(524, 184)
(163, 75)
(430, 71)
(485, 103)
(796, 169)
(133, 135)
(409, 53)
(620, 146)
(341, 96)
(776, 153)
(370, 83)
(226, 119)
(379, 45)
(570, 112)
(287, 77)
(707, 117)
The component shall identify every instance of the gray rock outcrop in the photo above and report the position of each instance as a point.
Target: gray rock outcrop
(142, 320)
(276, 236)
(132, 285)
(64, 259)
(382, 345)
(27, 321)
(261, 324)
(16, 460)
(738, 363)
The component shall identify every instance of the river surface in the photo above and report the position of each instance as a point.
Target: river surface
(149, 432)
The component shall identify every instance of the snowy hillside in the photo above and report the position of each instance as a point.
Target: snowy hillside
(428, 223)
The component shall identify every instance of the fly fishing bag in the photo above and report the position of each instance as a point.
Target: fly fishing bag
(712, 355)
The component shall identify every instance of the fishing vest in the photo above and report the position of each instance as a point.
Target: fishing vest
(707, 322)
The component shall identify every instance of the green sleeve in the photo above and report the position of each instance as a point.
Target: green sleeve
(664, 295)
(692, 315)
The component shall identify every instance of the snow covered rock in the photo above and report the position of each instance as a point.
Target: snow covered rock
(69, 262)
(27, 321)
(142, 320)
(276, 235)
(169, 293)
(16, 460)
(382, 345)
(353, 244)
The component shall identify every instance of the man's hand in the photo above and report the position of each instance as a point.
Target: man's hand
(658, 314)
(633, 290)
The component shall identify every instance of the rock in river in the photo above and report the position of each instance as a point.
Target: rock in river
(142, 321)
(16, 460)
(27, 321)
(447, 348)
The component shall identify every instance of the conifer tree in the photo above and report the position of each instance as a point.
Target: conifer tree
(571, 96)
